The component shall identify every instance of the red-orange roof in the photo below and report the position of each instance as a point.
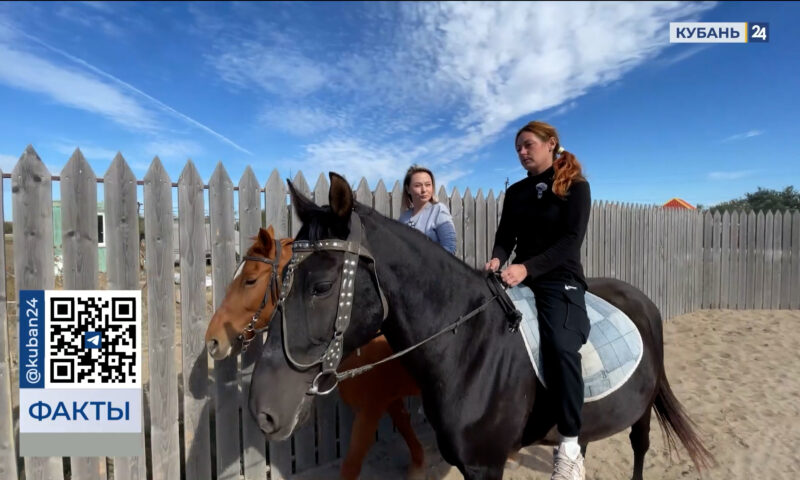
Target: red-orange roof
(678, 203)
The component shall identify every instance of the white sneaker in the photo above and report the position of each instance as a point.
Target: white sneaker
(566, 467)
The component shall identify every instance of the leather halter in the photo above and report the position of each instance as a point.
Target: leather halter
(354, 249)
(249, 332)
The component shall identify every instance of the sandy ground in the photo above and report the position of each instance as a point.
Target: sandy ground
(737, 373)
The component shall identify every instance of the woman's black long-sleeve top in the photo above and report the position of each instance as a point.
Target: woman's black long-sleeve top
(547, 230)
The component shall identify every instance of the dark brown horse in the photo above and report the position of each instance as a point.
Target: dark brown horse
(355, 271)
(247, 308)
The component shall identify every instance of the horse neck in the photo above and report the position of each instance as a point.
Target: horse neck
(421, 280)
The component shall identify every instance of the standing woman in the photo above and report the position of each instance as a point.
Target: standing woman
(545, 217)
(424, 212)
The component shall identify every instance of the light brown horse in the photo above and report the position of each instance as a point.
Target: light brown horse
(247, 308)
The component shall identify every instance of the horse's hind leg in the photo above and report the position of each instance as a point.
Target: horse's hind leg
(402, 420)
(640, 442)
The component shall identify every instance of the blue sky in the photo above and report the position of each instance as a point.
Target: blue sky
(366, 89)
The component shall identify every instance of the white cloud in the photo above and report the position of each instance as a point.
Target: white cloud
(173, 150)
(742, 136)
(303, 121)
(730, 175)
(435, 82)
(684, 52)
(512, 59)
(274, 70)
(353, 160)
(72, 88)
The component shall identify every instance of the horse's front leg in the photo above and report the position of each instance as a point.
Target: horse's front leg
(362, 437)
(402, 420)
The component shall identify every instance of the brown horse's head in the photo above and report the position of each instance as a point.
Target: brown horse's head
(251, 289)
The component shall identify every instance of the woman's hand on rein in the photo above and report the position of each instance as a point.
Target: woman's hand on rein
(492, 265)
(514, 274)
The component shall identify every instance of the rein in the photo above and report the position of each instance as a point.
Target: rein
(354, 249)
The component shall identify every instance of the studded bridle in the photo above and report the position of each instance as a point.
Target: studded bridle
(354, 249)
(249, 332)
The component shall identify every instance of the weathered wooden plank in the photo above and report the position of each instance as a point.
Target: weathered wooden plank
(733, 276)
(611, 240)
(500, 199)
(8, 448)
(469, 228)
(491, 224)
(758, 298)
(442, 196)
(725, 260)
(301, 186)
(192, 246)
(786, 260)
(276, 213)
(223, 265)
(122, 256)
(79, 243)
(696, 240)
(794, 301)
(381, 200)
(161, 323)
(457, 210)
(253, 444)
(480, 230)
(777, 256)
(708, 225)
(32, 199)
(768, 253)
(398, 202)
(321, 190)
(751, 260)
(599, 236)
(741, 302)
(363, 193)
(716, 257)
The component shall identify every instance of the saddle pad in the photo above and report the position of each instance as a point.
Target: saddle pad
(608, 358)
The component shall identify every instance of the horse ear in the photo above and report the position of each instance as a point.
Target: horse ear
(265, 238)
(340, 196)
(303, 205)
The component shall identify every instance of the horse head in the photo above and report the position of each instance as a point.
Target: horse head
(330, 304)
(251, 296)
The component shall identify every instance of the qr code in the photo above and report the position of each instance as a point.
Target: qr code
(93, 339)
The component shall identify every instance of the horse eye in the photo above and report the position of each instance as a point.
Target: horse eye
(321, 288)
(251, 281)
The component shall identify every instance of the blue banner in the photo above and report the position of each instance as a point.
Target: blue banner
(32, 336)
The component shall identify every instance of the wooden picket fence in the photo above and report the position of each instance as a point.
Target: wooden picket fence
(683, 260)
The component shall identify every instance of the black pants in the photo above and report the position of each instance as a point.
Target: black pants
(564, 328)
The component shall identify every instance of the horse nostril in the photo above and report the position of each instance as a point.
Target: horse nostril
(212, 345)
(267, 423)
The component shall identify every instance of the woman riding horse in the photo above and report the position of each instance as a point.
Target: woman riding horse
(348, 278)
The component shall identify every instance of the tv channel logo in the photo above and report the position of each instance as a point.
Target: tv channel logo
(718, 32)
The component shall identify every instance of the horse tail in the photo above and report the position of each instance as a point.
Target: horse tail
(675, 423)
